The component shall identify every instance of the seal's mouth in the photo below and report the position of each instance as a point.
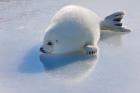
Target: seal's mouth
(42, 50)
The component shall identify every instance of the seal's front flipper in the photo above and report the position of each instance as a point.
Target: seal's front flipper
(113, 22)
(90, 50)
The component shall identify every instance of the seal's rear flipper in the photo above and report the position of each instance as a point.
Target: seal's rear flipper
(113, 22)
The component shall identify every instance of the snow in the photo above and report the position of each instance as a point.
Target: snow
(22, 25)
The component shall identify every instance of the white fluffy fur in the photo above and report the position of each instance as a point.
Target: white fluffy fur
(71, 29)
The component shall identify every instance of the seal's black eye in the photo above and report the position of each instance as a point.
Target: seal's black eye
(49, 43)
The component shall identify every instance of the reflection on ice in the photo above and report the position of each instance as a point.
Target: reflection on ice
(69, 67)
(66, 67)
(112, 38)
(31, 62)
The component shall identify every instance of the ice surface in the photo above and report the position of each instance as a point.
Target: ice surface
(114, 70)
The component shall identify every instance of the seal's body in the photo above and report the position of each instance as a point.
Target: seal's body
(75, 28)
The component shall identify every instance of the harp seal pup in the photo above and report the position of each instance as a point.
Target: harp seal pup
(75, 28)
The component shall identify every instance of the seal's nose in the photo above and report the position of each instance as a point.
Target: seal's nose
(42, 50)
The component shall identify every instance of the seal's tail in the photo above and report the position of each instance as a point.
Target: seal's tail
(113, 22)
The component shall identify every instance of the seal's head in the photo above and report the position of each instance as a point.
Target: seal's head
(50, 43)
(63, 38)
(59, 40)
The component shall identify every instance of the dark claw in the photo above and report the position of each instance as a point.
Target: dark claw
(89, 53)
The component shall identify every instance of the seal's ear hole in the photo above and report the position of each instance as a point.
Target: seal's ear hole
(56, 40)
